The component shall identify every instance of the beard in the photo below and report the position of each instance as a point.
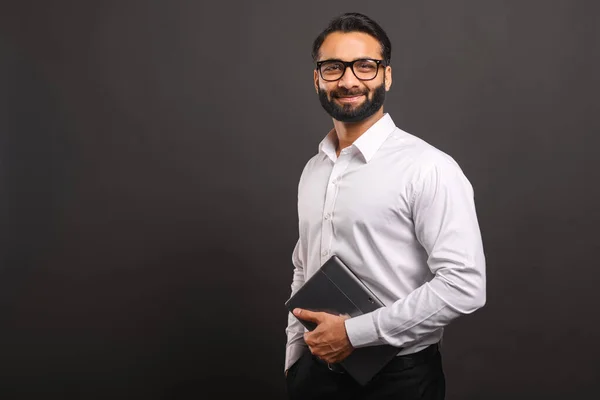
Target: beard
(350, 112)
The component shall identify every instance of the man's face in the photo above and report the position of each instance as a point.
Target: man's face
(350, 99)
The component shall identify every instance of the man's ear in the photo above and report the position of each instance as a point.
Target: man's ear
(388, 78)
(316, 80)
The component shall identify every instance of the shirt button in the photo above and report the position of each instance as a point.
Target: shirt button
(325, 252)
(327, 216)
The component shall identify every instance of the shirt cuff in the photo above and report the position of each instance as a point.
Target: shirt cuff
(293, 353)
(361, 330)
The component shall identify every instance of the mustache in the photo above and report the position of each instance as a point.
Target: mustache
(348, 93)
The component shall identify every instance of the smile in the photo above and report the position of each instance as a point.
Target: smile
(352, 99)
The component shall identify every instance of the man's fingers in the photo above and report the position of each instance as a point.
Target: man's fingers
(307, 315)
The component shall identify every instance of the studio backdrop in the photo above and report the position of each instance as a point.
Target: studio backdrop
(150, 153)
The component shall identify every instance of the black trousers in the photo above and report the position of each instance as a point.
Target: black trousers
(411, 377)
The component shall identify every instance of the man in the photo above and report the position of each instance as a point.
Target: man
(398, 211)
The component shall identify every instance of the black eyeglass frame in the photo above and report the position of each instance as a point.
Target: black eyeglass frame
(380, 63)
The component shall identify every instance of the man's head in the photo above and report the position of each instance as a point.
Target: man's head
(352, 74)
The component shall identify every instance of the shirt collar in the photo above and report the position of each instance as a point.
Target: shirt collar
(368, 143)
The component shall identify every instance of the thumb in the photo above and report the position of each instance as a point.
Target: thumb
(307, 315)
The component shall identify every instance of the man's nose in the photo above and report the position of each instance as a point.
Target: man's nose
(348, 80)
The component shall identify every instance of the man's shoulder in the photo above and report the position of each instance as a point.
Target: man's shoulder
(313, 161)
(423, 154)
(309, 166)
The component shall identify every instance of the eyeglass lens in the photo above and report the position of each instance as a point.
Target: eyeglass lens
(363, 69)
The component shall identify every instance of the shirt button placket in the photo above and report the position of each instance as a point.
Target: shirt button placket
(327, 221)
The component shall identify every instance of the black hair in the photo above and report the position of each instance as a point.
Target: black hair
(355, 22)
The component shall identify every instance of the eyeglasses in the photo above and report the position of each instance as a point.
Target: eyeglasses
(365, 69)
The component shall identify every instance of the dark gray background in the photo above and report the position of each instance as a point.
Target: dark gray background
(150, 153)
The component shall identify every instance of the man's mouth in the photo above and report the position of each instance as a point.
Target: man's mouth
(349, 99)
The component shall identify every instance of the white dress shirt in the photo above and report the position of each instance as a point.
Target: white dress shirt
(401, 214)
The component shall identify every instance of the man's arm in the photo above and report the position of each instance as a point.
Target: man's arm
(296, 345)
(446, 226)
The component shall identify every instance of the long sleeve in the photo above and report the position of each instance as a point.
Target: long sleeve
(446, 225)
(295, 330)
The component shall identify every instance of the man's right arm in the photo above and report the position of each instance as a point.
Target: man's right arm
(295, 346)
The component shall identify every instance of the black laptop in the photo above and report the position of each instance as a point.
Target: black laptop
(335, 289)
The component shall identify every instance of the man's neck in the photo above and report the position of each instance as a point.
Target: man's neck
(348, 132)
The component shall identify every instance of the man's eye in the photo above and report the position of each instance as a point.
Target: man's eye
(366, 66)
(335, 67)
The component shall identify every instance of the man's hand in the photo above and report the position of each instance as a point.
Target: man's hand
(329, 340)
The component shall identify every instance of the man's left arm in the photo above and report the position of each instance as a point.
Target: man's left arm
(446, 225)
